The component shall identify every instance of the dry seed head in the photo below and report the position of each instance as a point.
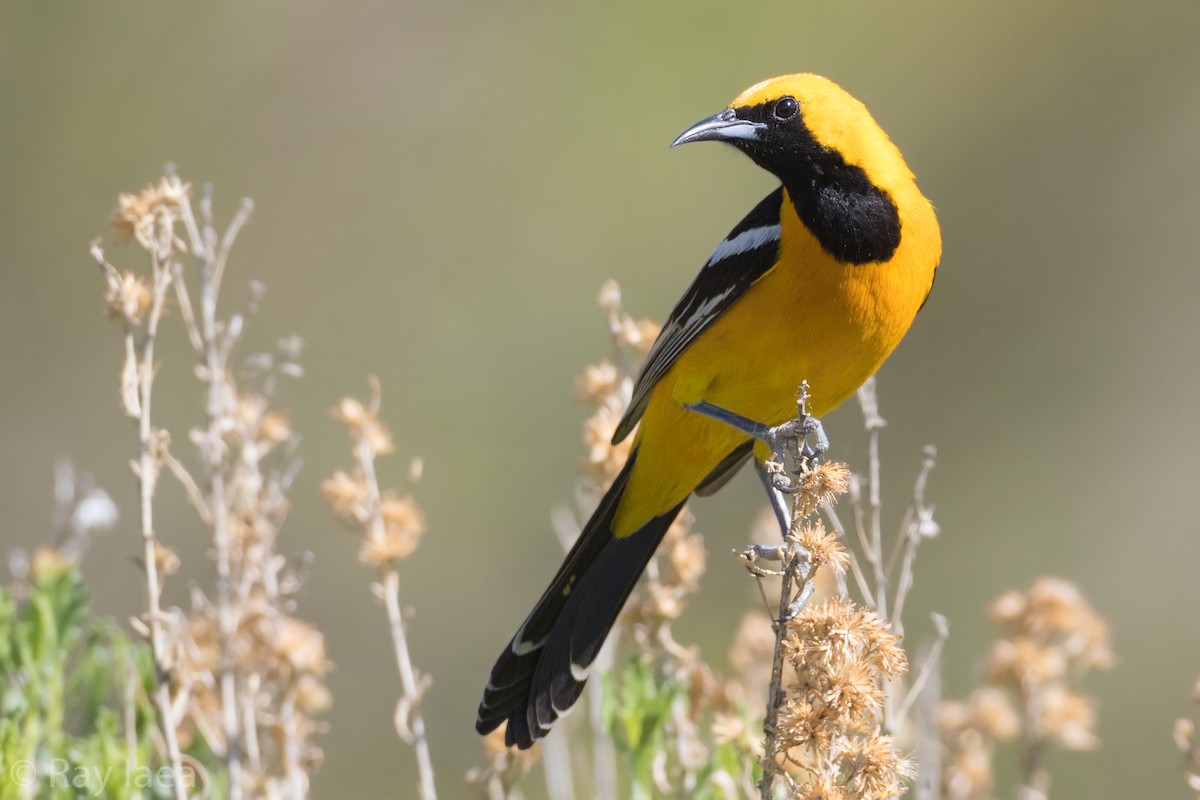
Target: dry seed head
(1184, 734)
(852, 691)
(968, 775)
(821, 787)
(364, 425)
(604, 459)
(969, 731)
(298, 644)
(166, 560)
(1056, 605)
(1055, 611)
(274, 427)
(609, 298)
(993, 713)
(954, 716)
(131, 299)
(874, 767)
(395, 543)
(1068, 719)
(598, 383)
(1054, 634)
(806, 726)
(136, 215)
(351, 412)
(312, 696)
(837, 632)
(403, 513)
(347, 495)
(824, 546)
(639, 335)
(1008, 609)
(378, 438)
(1023, 661)
(685, 553)
(821, 485)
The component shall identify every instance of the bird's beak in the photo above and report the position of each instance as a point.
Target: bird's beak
(721, 127)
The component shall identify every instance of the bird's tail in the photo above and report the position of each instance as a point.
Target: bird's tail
(542, 671)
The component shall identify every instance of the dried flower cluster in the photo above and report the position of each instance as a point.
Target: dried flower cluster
(831, 663)
(392, 525)
(830, 723)
(244, 675)
(971, 728)
(1052, 638)
(150, 215)
(607, 387)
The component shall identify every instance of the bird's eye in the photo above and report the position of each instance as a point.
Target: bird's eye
(786, 108)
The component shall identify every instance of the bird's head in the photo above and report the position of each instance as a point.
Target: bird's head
(792, 125)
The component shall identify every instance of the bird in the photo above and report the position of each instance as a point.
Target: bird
(817, 284)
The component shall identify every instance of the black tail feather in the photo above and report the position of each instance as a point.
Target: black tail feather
(544, 668)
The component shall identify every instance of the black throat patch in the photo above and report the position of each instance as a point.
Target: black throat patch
(855, 221)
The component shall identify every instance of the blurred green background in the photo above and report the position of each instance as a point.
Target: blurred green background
(441, 188)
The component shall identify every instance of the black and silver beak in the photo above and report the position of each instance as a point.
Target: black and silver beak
(720, 128)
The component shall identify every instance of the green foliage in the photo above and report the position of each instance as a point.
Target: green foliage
(68, 681)
(636, 713)
(636, 710)
(638, 703)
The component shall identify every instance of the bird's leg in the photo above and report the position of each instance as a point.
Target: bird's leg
(779, 503)
(786, 441)
(734, 420)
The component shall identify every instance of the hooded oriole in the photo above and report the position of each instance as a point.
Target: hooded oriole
(819, 282)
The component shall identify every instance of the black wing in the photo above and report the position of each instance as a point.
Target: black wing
(745, 255)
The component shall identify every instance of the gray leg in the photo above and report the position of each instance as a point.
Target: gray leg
(753, 429)
(776, 498)
(794, 431)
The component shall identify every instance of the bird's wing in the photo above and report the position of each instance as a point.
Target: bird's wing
(744, 256)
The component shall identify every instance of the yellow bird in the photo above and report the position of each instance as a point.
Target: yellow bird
(818, 283)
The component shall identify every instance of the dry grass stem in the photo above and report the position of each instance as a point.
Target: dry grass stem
(392, 526)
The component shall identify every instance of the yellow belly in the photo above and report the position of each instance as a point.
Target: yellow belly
(809, 319)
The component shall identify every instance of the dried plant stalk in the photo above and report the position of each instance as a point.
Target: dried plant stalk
(392, 526)
(245, 675)
(140, 306)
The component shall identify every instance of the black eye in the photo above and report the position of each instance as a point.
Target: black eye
(786, 108)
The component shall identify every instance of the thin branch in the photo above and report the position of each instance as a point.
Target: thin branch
(920, 517)
(190, 487)
(860, 578)
(239, 221)
(410, 721)
(184, 298)
(793, 594)
(413, 690)
(215, 457)
(137, 389)
(928, 667)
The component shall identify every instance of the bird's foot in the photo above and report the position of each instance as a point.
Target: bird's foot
(791, 451)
